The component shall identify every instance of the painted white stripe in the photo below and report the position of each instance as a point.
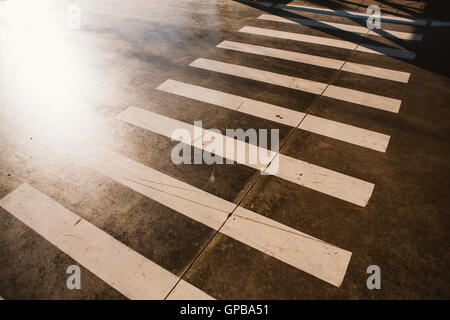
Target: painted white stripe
(344, 132)
(269, 236)
(304, 252)
(282, 54)
(328, 128)
(376, 72)
(358, 97)
(185, 289)
(398, 53)
(299, 37)
(300, 172)
(177, 195)
(226, 100)
(353, 14)
(343, 27)
(317, 61)
(127, 271)
(363, 98)
(392, 52)
(260, 75)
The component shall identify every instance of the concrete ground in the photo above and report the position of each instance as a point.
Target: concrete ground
(62, 90)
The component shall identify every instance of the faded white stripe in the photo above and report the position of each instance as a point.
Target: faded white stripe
(349, 95)
(317, 61)
(122, 268)
(343, 27)
(329, 42)
(328, 128)
(300, 172)
(353, 14)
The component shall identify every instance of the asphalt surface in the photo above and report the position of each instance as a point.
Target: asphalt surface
(62, 97)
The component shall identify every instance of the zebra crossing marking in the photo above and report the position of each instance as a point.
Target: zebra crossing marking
(353, 14)
(317, 61)
(314, 177)
(340, 93)
(343, 44)
(342, 27)
(185, 291)
(332, 129)
(130, 273)
(286, 244)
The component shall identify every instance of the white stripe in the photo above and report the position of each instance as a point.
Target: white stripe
(304, 252)
(344, 132)
(269, 236)
(300, 172)
(363, 98)
(185, 289)
(317, 61)
(328, 128)
(343, 27)
(353, 14)
(260, 75)
(127, 271)
(358, 97)
(177, 195)
(330, 42)
(397, 53)
(376, 72)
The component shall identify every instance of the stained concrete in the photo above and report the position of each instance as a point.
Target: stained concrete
(49, 107)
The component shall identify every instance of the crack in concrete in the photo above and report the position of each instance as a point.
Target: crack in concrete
(180, 197)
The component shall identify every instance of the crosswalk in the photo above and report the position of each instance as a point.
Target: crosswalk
(315, 87)
(342, 44)
(136, 276)
(343, 27)
(336, 130)
(352, 14)
(317, 61)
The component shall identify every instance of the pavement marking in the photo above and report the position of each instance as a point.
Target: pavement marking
(185, 289)
(233, 102)
(376, 72)
(343, 27)
(340, 93)
(343, 44)
(260, 75)
(298, 249)
(358, 97)
(317, 61)
(347, 133)
(175, 194)
(311, 176)
(122, 268)
(293, 247)
(353, 14)
(336, 130)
